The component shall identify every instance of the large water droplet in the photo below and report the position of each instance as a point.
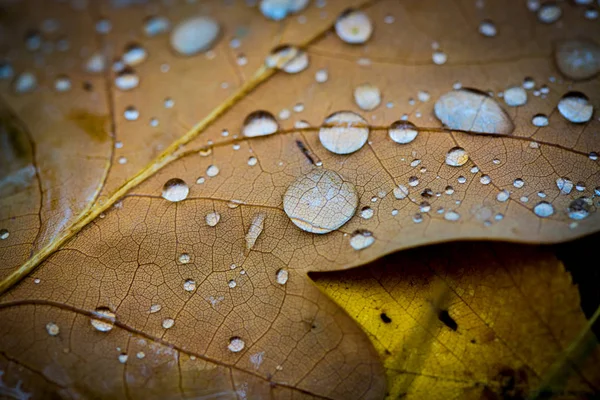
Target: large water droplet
(579, 208)
(288, 58)
(320, 201)
(259, 123)
(236, 344)
(175, 190)
(134, 54)
(457, 157)
(354, 27)
(515, 96)
(543, 209)
(107, 322)
(194, 35)
(403, 132)
(344, 132)
(361, 239)
(451, 216)
(575, 107)
(367, 96)
(469, 110)
(578, 58)
(256, 227)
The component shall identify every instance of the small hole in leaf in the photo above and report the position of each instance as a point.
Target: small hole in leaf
(385, 318)
(445, 317)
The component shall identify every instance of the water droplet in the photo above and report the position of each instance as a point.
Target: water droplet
(189, 285)
(515, 96)
(449, 190)
(175, 190)
(439, 57)
(279, 9)
(232, 283)
(354, 27)
(488, 28)
(140, 355)
(52, 329)
(417, 218)
(402, 132)
(424, 207)
(6, 70)
(485, 180)
(518, 183)
(503, 196)
(578, 58)
(543, 209)
(62, 83)
(168, 323)
(321, 76)
(288, 58)
(134, 54)
(367, 96)
(212, 171)
(33, 40)
(361, 239)
(194, 35)
(549, 13)
(96, 63)
(156, 25)
(457, 157)
(575, 107)
(564, 185)
(103, 26)
(468, 110)
(451, 216)
(4, 234)
(213, 218)
(366, 213)
(127, 79)
(579, 208)
(282, 276)
(256, 227)
(540, 120)
(580, 187)
(259, 123)
(413, 181)
(184, 258)
(236, 344)
(25, 82)
(123, 358)
(154, 308)
(298, 107)
(320, 201)
(131, 113)
(344, 132)
(107, 322)
(461, 179)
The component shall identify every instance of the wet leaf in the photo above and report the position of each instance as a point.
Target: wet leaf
(100, 115)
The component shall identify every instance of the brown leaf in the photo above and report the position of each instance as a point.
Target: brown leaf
(90, 209)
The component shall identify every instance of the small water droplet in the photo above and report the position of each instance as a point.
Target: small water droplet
(320, 201)
(212, 171)
(232, 283)
(503, 196)
(278, 9)
(488, 28)
(549, 13)
(457, 157)
(140, 355)
(543, 209)
(417, 218)
(175, 190)
(403, 132)
(413, 181)
(439, 57)
(236, 344)
(259, 123)
(564, 185)
(282, 276)
(131, 113)
(103, 26)
(194, 35)
(156, 25)
(107, 322)
(344, 132)
(134, 54)
(4, 234)
(449, 190)
(366, 213)
(62, 83)
(52, 329)
(189, 285)
(168, 323)
(354, 27)
(518, 183)
(579, 208)
(540, 120)
(288, 58)
(213, 218)
(367, 96)
(361, 239)
(461, 179)
(6, 70)
(25, 82)
(485, 180)
(154, 308)
(575, 107)
(184, 258)
(451, 216)
(515, 96)
(127, 79)
(321, 76)
(256, 227)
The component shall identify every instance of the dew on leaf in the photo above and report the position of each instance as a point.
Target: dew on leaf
(127, 79)
(52, 329)
(284, 114)
(4, 234)
(354, 27)
(288, 58)
(344, 132)
(366, 213)
(439, 57)
(134, 54)
(212, 171)
(449, 190)
(62, 83)
(580, 187)
(413, 181)
(122, 358)
(503, 196)
(131, 113)
(417, 218)
(367, 96)
(461, 179)
(528, 83)
(485, 180)
(451, 216)
(156, 25)
(361, 239)
(184, 258)
(400, 192)
(320, 201)
(154, 308)
(259, 123)
(103, 26)
(457, 157)
(543, 209)
(189, 285)
(168, 323)
(402, 132)
(255, 229)
(213, 218)
(540, 120)
(282, 276)
(33, 40)
(107, 322)
(515, 96)
(488, 28)
(252, 161)
(194, 35)
(25, 82)
(564, 185)
(578, 58)
(549, 13)
(468, 110)
(279, 9)
(236, 344)
(575, 107)
(321, 76)
(175, 190)
(140, 355)
(579, 208)
(6, 70)
(231, 283)
(424, 207)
